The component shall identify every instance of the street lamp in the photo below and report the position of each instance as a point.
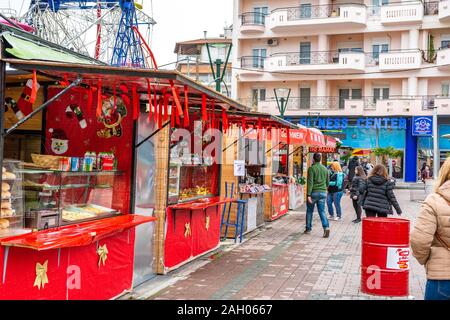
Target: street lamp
(282, 97)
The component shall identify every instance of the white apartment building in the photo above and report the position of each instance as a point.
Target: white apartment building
(345, 61)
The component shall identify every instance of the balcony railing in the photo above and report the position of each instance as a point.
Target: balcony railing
(311, 57)
(400, 12)
(253, 18)
(314, 12)
(431, 8)
(253, 62)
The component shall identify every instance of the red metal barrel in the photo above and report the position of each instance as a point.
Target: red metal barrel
(385, 256)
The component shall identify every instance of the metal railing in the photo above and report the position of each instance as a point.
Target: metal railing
(310, 57)
(431, 8)
(253, 62)
(315, 11)
(253, 18)
(374, 59)
(338, 103)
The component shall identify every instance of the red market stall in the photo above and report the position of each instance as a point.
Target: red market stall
(106, 150)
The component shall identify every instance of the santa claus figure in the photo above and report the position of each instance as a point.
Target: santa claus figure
(60, 143)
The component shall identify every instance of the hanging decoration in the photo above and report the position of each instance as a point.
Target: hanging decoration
(166, 105)
(89, 100)
(187, 230)
(204, 112)
(28, 96)
(186, 108)
(155, 104)
(75, 109)
(176, 98)
(99, 98)
(136, 107)
(160, 112)
(102, 253)
(41, 275)
(207, 222)
(149, 94)
(224, 120)
(112, 118)
(213, 117)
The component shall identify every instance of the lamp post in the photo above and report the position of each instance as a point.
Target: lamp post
(282, 97)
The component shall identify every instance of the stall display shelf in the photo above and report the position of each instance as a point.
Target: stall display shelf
(196, 198)
(201, 204)
(6, 233)
(71, 173)
(75, 235)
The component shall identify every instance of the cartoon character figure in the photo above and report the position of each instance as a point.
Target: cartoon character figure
(112, 117)
(60, 143)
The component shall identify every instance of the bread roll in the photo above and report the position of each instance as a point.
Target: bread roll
(5, 186)
(4, 223)
(6, 204)
(6, 195)
(7, 213)
(4, 170)
(8, 176)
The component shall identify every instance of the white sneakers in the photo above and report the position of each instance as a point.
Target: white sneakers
(336, 218)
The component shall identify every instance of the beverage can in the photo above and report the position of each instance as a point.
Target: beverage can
(74, 164)
(64, 163)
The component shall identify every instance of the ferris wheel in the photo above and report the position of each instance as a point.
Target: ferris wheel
(113, 31)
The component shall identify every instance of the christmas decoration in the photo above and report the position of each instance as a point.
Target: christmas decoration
(41, 275)
(75, 109)
(60, 143)
(187, 230)
(102, 252)
(207, 222)
(111, 118)
(25, 102)
(13, 105)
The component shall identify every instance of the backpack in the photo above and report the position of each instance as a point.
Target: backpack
(339, 181)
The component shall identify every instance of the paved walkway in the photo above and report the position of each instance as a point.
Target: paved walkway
(282, 263)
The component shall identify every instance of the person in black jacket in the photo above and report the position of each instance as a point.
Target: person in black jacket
(379, 194)
(357, 190)
(354, 162)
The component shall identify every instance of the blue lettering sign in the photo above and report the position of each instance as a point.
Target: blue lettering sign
(321, 123)
(329, 123)
(422, 126)
(394, 123)
(369, 123)
(303, 122)
(386, 121)
(337, 123)
(344, 123)
(402, 123)
(359, 122)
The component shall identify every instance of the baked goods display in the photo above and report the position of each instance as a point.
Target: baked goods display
(8, 176)
(4, 224)
(194, 192)
(5, 213)
(80, 212)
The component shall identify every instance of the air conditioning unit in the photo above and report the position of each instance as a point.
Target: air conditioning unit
(272, 42)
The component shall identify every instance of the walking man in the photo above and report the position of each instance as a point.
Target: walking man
(317, 184)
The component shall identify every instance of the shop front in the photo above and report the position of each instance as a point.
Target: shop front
(376, 134)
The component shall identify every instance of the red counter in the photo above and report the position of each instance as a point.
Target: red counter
(71, 253)
(192, 229)
(280, 200)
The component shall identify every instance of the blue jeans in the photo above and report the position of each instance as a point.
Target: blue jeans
(318, 198)
(437, 290)
(336, 198)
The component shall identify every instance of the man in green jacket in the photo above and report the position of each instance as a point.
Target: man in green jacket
(317, 184)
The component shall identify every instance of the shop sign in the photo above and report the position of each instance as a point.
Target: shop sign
(322, 149)
(422, 126)
(239, 168)
(296, 136)
(361, 123)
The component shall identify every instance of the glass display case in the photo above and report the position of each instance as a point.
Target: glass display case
(192, 175)
(11, 216)
(55, 198)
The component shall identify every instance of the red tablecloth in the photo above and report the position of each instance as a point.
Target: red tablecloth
(76, 235)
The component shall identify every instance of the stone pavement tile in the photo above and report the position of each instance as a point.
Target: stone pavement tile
(282, 263)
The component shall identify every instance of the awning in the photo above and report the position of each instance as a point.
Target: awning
(361, 152)
(23, 48)
(315, 137)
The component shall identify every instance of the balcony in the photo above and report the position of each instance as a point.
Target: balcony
(443, 58)
(252, 65)
(317, 16)
(444, 10)
(400, 60)
(318, 62)
(367, 106)
(253, 22)
(402, 12)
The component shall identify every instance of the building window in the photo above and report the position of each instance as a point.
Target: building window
(380, 94)
(377, 49)
(305, 52)
(259, 55)
(345, 94)
(260, 14)
(445, 89)
(305, 11)
(258, 95)
(305, 98)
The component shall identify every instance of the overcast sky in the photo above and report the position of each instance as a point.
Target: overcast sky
(177, 20)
